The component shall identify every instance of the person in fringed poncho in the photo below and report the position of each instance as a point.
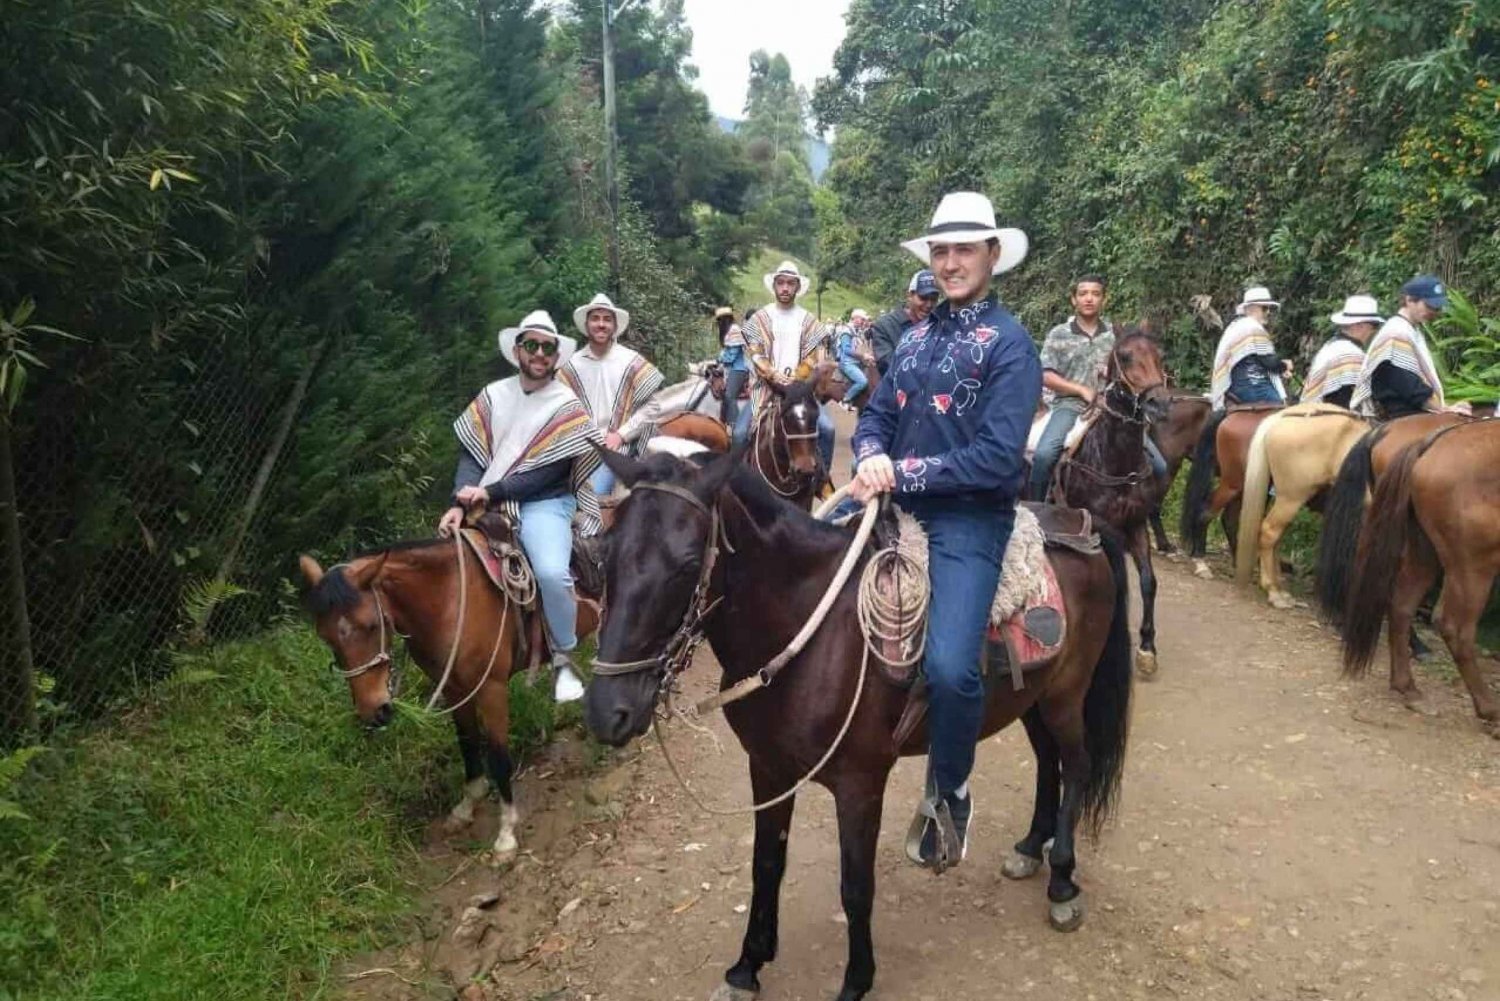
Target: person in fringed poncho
(782, 340)
(617, 385)
(527, 447)
(1399, 376)
(1246, 366)
(1335, 368)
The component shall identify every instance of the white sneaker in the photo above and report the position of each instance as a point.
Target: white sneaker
(567, 687)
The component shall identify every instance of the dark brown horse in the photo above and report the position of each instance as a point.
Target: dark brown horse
(1109, 474)
(1223, 449)
(1433, 512)
(830, 384)
(1175, 435)
(1344, 510)
(411, 590)
(772, 569)
(784, 443)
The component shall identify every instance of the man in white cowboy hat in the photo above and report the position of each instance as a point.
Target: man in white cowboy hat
(616, 384)
(782, 340)
(1399, 376)
(1246, 366)
(1335, 368)
(885, 333)
(945, 432)
(527, 448)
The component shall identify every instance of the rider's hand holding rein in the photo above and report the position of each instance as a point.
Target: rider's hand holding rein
(467, 497)
(876, 475)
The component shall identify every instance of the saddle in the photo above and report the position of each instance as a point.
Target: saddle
(1031, 625)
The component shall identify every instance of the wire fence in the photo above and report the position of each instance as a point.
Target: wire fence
(135, 528)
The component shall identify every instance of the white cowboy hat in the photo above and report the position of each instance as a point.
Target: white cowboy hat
(600, 301)
(1256, 295)
(787, 268)
(1358, 309)
(537, 322)
(968, 217)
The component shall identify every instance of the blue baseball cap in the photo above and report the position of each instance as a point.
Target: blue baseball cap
(1428, 288)
(924, 284)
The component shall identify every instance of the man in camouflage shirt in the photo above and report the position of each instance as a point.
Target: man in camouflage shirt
(1075, 357)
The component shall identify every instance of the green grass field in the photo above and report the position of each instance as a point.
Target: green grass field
(234, 836)
(750, 290)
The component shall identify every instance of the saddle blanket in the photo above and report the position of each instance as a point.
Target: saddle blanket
(1075, 433)
(680, 447)
(1028, 613)
(484, 548)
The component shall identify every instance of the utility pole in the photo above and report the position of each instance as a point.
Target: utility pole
(612, 143)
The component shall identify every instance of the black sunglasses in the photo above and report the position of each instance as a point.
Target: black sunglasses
(533, 346)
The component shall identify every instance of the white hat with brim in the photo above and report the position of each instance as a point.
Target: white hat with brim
(968, 217)
(1358, 309)
(536, 322)
(1256, 295)
(601, 301)
(787, 268)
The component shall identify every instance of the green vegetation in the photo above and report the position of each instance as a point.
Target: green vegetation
(234, 836)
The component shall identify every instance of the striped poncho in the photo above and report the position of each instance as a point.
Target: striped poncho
(1242, 339)
(782, 342)
(618, 389)
(1401, 344)
(1336, 366)
(508, 431)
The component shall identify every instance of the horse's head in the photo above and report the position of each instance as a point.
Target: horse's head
(794, 419)
(1136, 369)
(656, 580)
(348, 614)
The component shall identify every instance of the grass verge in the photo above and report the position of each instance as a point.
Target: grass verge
(234, 836)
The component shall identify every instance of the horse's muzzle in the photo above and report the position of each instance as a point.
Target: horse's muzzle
(381, 717)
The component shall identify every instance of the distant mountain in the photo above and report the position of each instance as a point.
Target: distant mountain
(818, 152)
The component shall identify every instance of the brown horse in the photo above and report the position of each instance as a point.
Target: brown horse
(1175, 435)
(412, 590)
(1344, 510)
(772, 569)
(830, 384)
(1223, 448)
(1109, 474)
(784, 443)
(1433, 512)
(710, 432)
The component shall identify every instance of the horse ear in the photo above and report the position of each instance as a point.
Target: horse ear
(776, 388)
(362, 573)
(312, 573)
(623, 466)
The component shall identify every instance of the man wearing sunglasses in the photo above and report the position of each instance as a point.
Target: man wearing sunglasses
(616, 384)
(526, 450)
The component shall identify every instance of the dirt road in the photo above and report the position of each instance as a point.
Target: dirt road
(1284, 834)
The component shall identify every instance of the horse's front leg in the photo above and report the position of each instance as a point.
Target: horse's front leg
(471, 747)
(772, 828)
(859, 803)
(1140, 551)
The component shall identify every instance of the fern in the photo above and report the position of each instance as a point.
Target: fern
(12, 767)
(200, 599)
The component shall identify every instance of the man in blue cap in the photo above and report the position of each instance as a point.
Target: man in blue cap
(1399, 376)
(885, 333)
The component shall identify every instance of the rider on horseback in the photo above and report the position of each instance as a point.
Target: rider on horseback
(1246, 366)
(527, 447)
(1399, 376)
(946, 432)
(783, 341)
(616, 384)
(1075, 356)
(1335, 368)
(886, 332)
(850, 350)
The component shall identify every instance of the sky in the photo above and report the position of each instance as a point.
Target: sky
(725, 32)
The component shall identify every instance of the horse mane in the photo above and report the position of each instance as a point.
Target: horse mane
(336, 593)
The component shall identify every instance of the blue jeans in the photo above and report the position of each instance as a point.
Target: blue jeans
(734, 381)
(1050, 448)
(965, 544)
(547, 539)
(603, 481)
(856, 376)
(741, 426)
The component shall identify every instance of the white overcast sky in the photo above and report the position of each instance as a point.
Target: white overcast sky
(725, 32)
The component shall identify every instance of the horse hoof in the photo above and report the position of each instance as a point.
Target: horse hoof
(1066, 916)
(1418, 704)
(1282, 601)
(1145, 665)
(726, 993)
(1020, 866)
(1202, 571)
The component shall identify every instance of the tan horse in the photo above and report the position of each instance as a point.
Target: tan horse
(1433, 512)
(1300, 449)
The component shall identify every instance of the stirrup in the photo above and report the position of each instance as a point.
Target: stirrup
(949, 847)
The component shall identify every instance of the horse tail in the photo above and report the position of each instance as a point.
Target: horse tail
(1253, 500)
(1382, 540)
(1342, 515)
(1200, 486)
(1106, 706)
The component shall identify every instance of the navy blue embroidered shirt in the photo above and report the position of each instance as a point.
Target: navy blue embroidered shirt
(954, 410)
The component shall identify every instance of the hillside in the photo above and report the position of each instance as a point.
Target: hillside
(836, 300)
(819, 153)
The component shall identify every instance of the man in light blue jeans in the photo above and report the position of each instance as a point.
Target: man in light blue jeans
(527, 447)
